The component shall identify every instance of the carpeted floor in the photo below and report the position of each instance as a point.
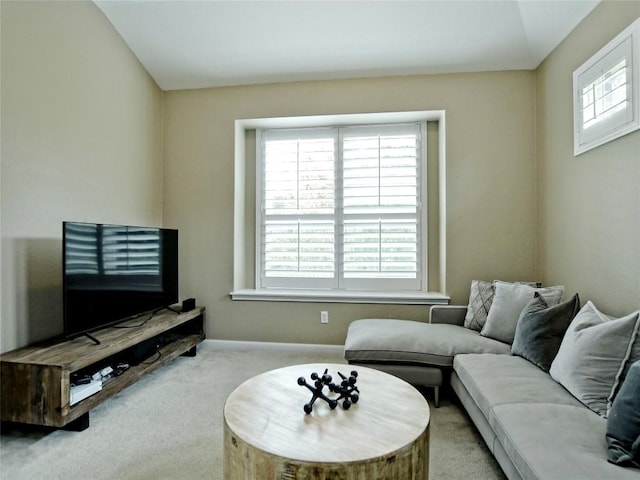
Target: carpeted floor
(169, 426)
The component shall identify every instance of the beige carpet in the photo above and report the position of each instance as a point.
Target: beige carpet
(169, 426)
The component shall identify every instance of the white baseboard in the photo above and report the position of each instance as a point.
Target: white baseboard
(213, 344)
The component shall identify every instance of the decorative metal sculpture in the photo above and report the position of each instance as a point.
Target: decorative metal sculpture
(346, 390)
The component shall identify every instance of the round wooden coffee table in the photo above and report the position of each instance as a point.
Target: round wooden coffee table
(268, 436)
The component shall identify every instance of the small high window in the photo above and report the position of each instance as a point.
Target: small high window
(607, 92)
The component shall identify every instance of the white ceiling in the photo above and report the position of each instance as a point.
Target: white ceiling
(194, 44)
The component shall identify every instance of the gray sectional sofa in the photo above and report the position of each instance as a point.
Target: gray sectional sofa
(533, 426)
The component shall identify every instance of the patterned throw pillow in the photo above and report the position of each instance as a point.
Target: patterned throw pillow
(480, 299)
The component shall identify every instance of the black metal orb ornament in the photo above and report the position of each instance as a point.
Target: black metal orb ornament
(346, 390)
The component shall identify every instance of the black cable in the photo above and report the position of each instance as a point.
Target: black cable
(151, 315)
(158, 355)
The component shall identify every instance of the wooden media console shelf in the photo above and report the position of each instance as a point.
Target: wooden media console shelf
(36, 380)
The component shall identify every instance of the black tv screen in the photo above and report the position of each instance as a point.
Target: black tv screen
(114, 272)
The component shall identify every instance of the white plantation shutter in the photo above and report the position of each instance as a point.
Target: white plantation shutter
(298, 208)
(605, 94)
(340, 208)
(381, 201)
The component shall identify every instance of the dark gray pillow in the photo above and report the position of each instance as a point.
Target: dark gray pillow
(623, 424)
(540, 329)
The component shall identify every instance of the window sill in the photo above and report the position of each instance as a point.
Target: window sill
(325, 296)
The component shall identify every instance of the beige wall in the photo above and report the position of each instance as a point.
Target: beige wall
(490, 188)
(81, 140)
(589, 206)
(85, 133)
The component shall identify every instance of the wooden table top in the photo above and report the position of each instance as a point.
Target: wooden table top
(267, 412)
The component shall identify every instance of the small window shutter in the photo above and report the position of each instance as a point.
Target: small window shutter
(604, 94)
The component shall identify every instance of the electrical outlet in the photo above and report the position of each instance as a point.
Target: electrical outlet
(324, 316)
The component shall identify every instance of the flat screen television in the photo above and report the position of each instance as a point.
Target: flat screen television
(115, 272)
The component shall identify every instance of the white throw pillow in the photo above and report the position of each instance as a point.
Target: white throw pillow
(508, 302)
(593, 355)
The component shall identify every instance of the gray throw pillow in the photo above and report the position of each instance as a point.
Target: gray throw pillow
(623, 424)
(508, 302)
(593, 355)
(480, 299)
(540, 330)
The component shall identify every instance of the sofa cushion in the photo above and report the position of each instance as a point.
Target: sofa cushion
(623, 424)
(593, 354)
(540, 330)
(508, 302)
(499, 379)
(388, 341)
(555, 441)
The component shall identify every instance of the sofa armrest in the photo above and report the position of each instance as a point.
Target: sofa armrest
(451, 314)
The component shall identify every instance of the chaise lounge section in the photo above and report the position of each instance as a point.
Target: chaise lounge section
(419, 353)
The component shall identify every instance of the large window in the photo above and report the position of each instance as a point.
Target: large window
(341, 208)
(347, 208)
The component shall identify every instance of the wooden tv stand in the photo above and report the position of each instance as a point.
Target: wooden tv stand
(36, 380)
